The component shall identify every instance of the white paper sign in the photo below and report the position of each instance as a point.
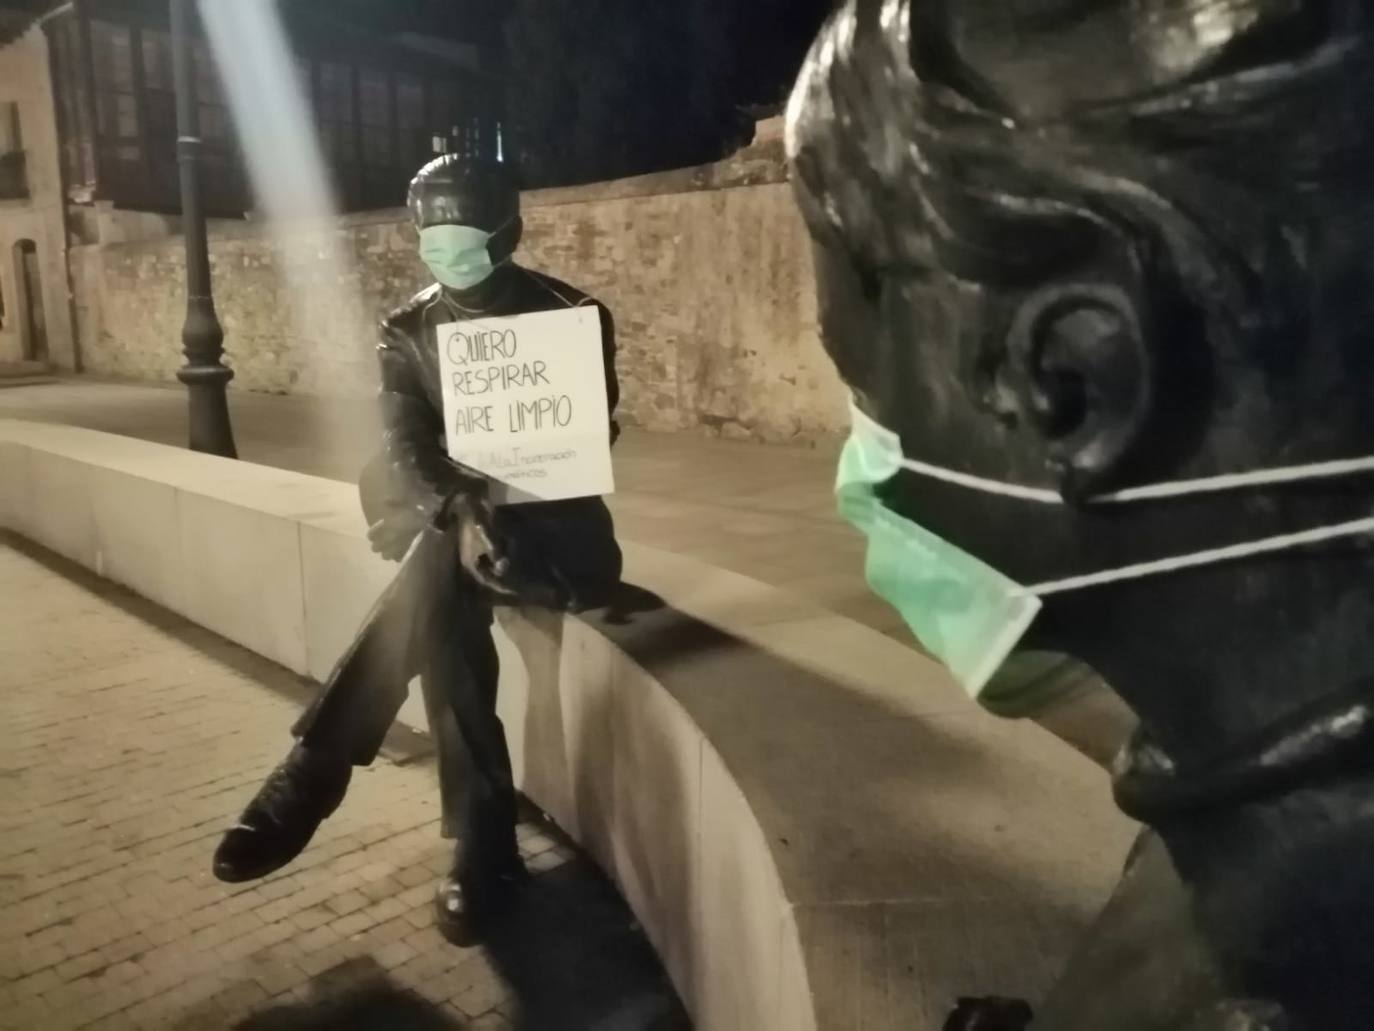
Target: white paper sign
(525, 403)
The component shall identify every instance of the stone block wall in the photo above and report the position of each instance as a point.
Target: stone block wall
(294, 321)
(707, 271)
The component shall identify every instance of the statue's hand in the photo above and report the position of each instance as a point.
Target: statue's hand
(495, 552)
(392, 535)
(490, 548)
(469, 517)
(481, 552)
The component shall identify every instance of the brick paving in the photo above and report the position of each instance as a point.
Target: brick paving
(131, 740)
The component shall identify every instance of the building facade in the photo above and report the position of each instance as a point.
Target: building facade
(88, 135)
(35, 298)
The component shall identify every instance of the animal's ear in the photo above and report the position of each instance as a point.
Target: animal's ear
(1086, 377)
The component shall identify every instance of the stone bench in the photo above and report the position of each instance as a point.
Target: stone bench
(815, 827)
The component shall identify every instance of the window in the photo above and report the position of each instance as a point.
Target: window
(14, 181)
(383, 180)
(221, 162)
(73, 111)
(374, 97)
(11, 141)
(216, 129)
(160, 107)
(117, 117)
(377, 112)
(338, 124)
(411, 126)
(454, 117)
(446, 112)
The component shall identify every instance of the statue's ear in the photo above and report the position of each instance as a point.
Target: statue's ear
(1086, 377)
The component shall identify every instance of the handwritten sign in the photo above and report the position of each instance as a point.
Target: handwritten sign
(525, 403)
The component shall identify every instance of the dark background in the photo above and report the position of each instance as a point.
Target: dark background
(600, 89)
(594, 89)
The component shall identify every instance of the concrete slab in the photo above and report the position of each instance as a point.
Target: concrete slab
(656, 824)
(16, 488)
(804, 814)
(137, 529)
(590, 677)
(532, 705)
(244, 577)
(342, 580)
(796, 1003)
(686, 494)
(60, 516)
(892, 967)
(739, 947)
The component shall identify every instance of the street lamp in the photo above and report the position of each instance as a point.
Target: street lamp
(205, 376)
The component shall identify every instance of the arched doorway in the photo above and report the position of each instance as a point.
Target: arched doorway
(33, 319)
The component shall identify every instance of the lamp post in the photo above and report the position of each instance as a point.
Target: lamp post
(205, 376)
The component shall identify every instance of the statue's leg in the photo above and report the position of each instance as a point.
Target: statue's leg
(453, 763)
(475, 779)
(347, 722)
(363, 695)
(351, 715)
(463, 673)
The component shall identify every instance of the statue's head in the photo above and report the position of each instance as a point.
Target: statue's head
(468, 214)
(1086, 245)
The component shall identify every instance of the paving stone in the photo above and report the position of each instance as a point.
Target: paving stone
(137, 739)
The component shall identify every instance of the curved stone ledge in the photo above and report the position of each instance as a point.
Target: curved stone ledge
(815, 827)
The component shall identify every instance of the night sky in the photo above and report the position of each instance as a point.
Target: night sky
(600, 89)
(607, 88)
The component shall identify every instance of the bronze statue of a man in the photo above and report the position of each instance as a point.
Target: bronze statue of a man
(1100, 274)
(461, 556)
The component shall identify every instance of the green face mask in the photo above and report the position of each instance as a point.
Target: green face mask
(971, 617)
(457, 256)
(965, 613)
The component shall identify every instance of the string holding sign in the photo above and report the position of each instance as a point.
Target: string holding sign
(525, 403)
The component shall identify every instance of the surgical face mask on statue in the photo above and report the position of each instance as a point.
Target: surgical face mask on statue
(970, 616)
(457, 256)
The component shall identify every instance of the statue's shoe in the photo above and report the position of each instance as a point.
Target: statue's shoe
(466, 907)
(282, 818)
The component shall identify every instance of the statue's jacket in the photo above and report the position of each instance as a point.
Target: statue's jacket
(566, 550)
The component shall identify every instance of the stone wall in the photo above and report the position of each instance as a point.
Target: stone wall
(25, 81)
(707, 271)
(314, 339)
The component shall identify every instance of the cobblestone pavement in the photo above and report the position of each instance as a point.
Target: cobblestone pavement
(131, 740)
